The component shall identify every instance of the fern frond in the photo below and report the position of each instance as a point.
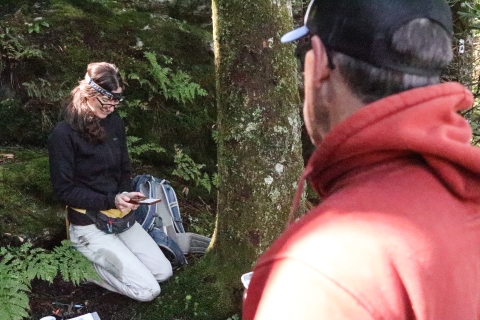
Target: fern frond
(18, 266)
(133, 76)
(14, 312)
(13, 295)
(188, 170)
(136, 150)
(159, 73)
(177, 86)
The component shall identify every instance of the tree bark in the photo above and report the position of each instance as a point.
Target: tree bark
(464, 68)
(259, 133)
(461, 68)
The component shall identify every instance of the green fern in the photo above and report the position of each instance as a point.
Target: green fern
(182, 89)
(135, 76)
(188, 170)
(13, 294)
(136, 148)
(13, 48)
(20, 265)
(177, 86)
(42, 89)
(66, 258)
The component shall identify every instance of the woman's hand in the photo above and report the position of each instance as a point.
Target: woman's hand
(122, 201)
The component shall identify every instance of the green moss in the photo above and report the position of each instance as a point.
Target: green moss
(67, 10)
(196, 292)
(27, 204)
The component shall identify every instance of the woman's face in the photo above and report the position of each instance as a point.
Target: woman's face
(102, 106)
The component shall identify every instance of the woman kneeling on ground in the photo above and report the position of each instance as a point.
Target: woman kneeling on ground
(91, 173)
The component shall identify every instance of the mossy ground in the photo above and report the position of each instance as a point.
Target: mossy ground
(27, 207)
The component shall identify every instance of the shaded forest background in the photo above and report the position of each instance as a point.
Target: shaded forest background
(166, 59)
(165, 52)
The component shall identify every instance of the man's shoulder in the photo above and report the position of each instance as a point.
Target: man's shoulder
(328, 236)
(327, 225)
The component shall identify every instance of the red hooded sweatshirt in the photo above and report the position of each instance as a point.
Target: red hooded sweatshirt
(397, 235)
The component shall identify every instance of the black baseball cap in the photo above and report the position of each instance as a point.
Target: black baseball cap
(363, 29)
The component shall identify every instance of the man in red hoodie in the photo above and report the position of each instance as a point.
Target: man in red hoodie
(397, 234)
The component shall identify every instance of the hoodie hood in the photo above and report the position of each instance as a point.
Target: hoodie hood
(423, 121)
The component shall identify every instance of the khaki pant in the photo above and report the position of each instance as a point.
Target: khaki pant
(129, 263)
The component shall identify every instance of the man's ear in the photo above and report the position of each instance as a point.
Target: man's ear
(320, 63)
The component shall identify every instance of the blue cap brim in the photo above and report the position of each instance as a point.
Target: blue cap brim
(294, 34)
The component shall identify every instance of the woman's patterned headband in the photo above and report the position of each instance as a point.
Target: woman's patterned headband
(111, 95)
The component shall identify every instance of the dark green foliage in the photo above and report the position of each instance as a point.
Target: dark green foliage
(197, 12)
(188, 170)
(136, 148)
(20, 124)
(176, 86)
(19, 266)
(41, 60)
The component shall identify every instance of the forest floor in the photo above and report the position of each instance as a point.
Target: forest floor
(65, 301)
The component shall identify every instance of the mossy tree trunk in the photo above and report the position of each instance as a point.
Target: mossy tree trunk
(259, 131)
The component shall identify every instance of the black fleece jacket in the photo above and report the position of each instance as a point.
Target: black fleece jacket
(86, 175)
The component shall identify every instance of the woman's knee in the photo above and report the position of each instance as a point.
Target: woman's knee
(165, 273)
(161, 268)
(146, 294)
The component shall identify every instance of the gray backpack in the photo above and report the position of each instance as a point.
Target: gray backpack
(164, 217)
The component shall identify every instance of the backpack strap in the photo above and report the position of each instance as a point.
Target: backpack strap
(144, 215)
(173, 205)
